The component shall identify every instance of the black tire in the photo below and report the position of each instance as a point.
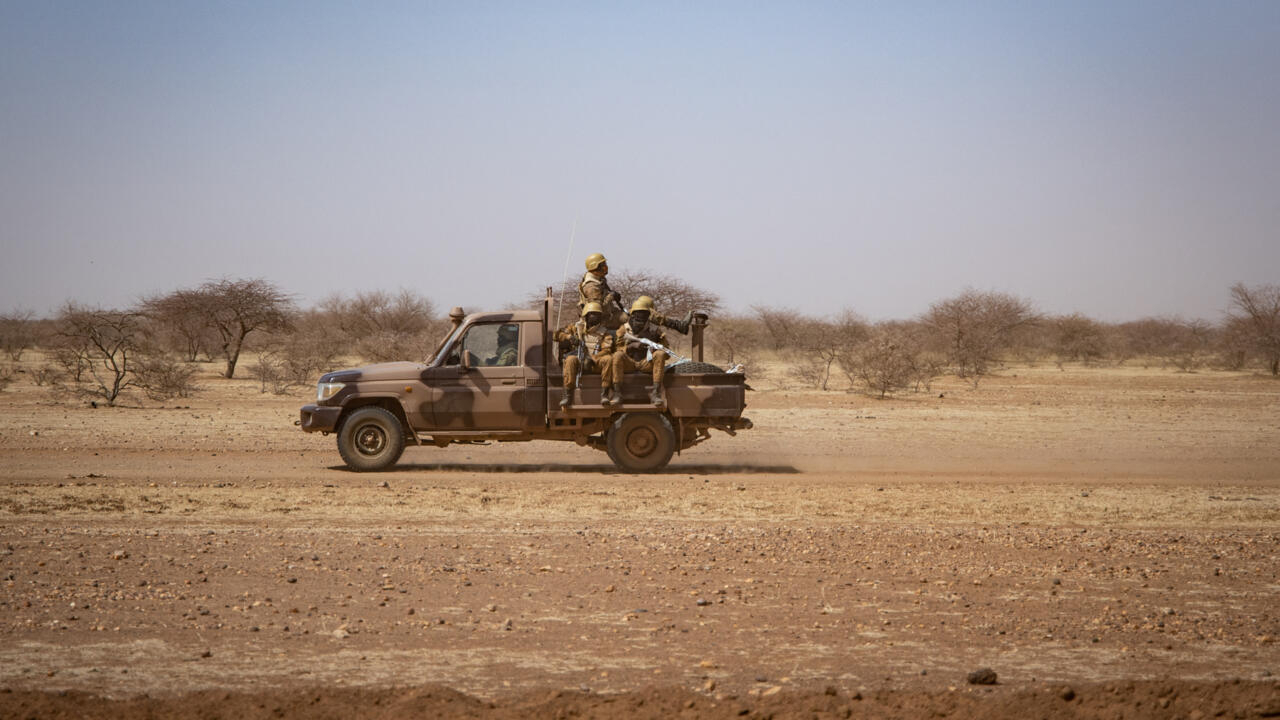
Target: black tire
(641, 442)
(370, 439)
(694, 368)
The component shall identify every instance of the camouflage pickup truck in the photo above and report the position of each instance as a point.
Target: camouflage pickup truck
(463, 396)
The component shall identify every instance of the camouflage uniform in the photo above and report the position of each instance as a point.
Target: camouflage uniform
(635, 356)
(595, 288)
(598, 345)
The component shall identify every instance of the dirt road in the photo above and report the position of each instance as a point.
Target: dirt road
(1104, 540)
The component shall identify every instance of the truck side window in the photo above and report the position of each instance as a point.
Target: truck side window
(493, 344)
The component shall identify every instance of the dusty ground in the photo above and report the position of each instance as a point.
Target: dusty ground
(1106, 540)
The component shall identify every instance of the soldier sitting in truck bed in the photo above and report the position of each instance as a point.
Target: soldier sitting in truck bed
(587, 346)
(635, 354)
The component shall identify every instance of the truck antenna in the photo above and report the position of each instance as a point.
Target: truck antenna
(565, 279)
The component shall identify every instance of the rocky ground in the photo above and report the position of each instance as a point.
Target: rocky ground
(1104, 540)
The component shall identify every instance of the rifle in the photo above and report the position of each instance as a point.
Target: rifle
(656, 346)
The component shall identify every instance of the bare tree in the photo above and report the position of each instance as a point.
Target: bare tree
(974, 327)
(1258, 309)
(672, 296)
(107, 340)
(183, 322)
(237, 308)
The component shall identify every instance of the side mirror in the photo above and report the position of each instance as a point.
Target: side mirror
(466, 360)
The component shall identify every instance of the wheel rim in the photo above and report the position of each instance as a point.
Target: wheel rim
(641, 442)
(370, 440)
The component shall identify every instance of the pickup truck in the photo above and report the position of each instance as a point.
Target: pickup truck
(463, 395)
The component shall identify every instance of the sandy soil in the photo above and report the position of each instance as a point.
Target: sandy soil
(1106, 540)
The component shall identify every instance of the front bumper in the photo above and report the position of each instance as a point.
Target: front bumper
(319, 418)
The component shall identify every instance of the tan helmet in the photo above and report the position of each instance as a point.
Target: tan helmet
(644, 302)
(592, 307)
(595, 260)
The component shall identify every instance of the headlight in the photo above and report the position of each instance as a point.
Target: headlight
(324, 391)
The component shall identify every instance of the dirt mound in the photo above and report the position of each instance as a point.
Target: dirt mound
(1135, 700)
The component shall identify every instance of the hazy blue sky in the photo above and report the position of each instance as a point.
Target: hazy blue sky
(1116, 158)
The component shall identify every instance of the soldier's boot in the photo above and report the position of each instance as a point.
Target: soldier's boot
(657, 396)
(616, 398)
(681, 326)
(605, 394)
(567, 398)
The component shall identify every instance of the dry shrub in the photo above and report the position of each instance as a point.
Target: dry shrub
(45, 375)
(6, 375)
(973, 328)
(1256, 312)
(17, 334)
(378, 326)
(891, 359)
(1078, 338)
(161, 377)
(271, 373)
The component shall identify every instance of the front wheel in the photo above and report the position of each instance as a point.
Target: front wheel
(370, 439)
(641, 442)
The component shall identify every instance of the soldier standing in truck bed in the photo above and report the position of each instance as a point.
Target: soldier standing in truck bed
(588, 346)
(636, 355)
(594, 287)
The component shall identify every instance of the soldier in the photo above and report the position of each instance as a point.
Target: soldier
(636, 355)
(587, 346)
(508, 340)
(594, 287)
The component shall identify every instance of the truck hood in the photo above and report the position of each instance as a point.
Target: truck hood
(380, 371)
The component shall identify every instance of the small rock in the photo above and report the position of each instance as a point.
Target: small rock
(491, 607)
(772, 690)
(702, 602)
(982, 676)
(206, 654)
(709, 685)
(119, 555)
(1067, 694)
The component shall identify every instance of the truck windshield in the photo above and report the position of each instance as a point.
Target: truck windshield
(448, 340)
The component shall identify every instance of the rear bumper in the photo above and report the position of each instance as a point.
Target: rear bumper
(318, 418)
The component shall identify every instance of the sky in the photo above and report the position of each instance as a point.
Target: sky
(1117, 158)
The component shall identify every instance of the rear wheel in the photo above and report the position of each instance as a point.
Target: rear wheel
(370, 439)
(641, 442)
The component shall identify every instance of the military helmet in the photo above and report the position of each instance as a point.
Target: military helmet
(644, 302)
(595, 260)
(592, 307)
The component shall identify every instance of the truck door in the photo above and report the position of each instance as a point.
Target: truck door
(489, 394)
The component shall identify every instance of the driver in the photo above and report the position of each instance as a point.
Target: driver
(508, 346)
